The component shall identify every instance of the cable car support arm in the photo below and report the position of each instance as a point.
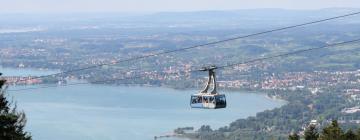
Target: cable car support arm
(211, 80)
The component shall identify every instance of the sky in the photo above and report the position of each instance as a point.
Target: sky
(69, 6)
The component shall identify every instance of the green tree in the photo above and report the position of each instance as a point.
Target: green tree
(349, 135)
(311, 133)
(294, 136)
(357, 134)
(12, 122)
(332, 132)
(205, 128)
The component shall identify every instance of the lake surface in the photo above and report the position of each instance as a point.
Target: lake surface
(25, 72)
(100, 112)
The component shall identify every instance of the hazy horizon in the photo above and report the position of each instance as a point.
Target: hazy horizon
(133, 13)
(154, 6)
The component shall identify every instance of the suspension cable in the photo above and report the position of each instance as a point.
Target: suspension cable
(197, 46)
(219, 67)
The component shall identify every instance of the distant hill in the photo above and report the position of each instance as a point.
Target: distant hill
(251, 18)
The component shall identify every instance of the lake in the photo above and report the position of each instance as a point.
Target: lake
(25, 72)
(101, 112)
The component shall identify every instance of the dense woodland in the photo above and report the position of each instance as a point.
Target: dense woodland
(331, 132)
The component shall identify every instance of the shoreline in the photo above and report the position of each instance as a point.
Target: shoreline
(276, 98)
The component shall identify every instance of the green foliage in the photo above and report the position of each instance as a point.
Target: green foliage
(311, 133)
(332, 132)
(294, 137)
(349, 135)
(12, 122)
(183, 129)
(205, 128)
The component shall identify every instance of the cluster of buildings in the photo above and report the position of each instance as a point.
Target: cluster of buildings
(312, 81)
(19, 80)
(353, 94)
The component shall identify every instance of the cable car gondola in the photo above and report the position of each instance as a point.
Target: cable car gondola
(208, 100)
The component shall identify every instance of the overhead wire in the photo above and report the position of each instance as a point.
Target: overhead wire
(197, 46)
(219, 67)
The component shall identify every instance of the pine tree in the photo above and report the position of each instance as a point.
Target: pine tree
(332, 132)
(12, 122)
(311, 133)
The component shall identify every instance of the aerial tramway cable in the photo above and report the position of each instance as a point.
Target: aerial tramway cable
(218, 67)
(197, 46)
